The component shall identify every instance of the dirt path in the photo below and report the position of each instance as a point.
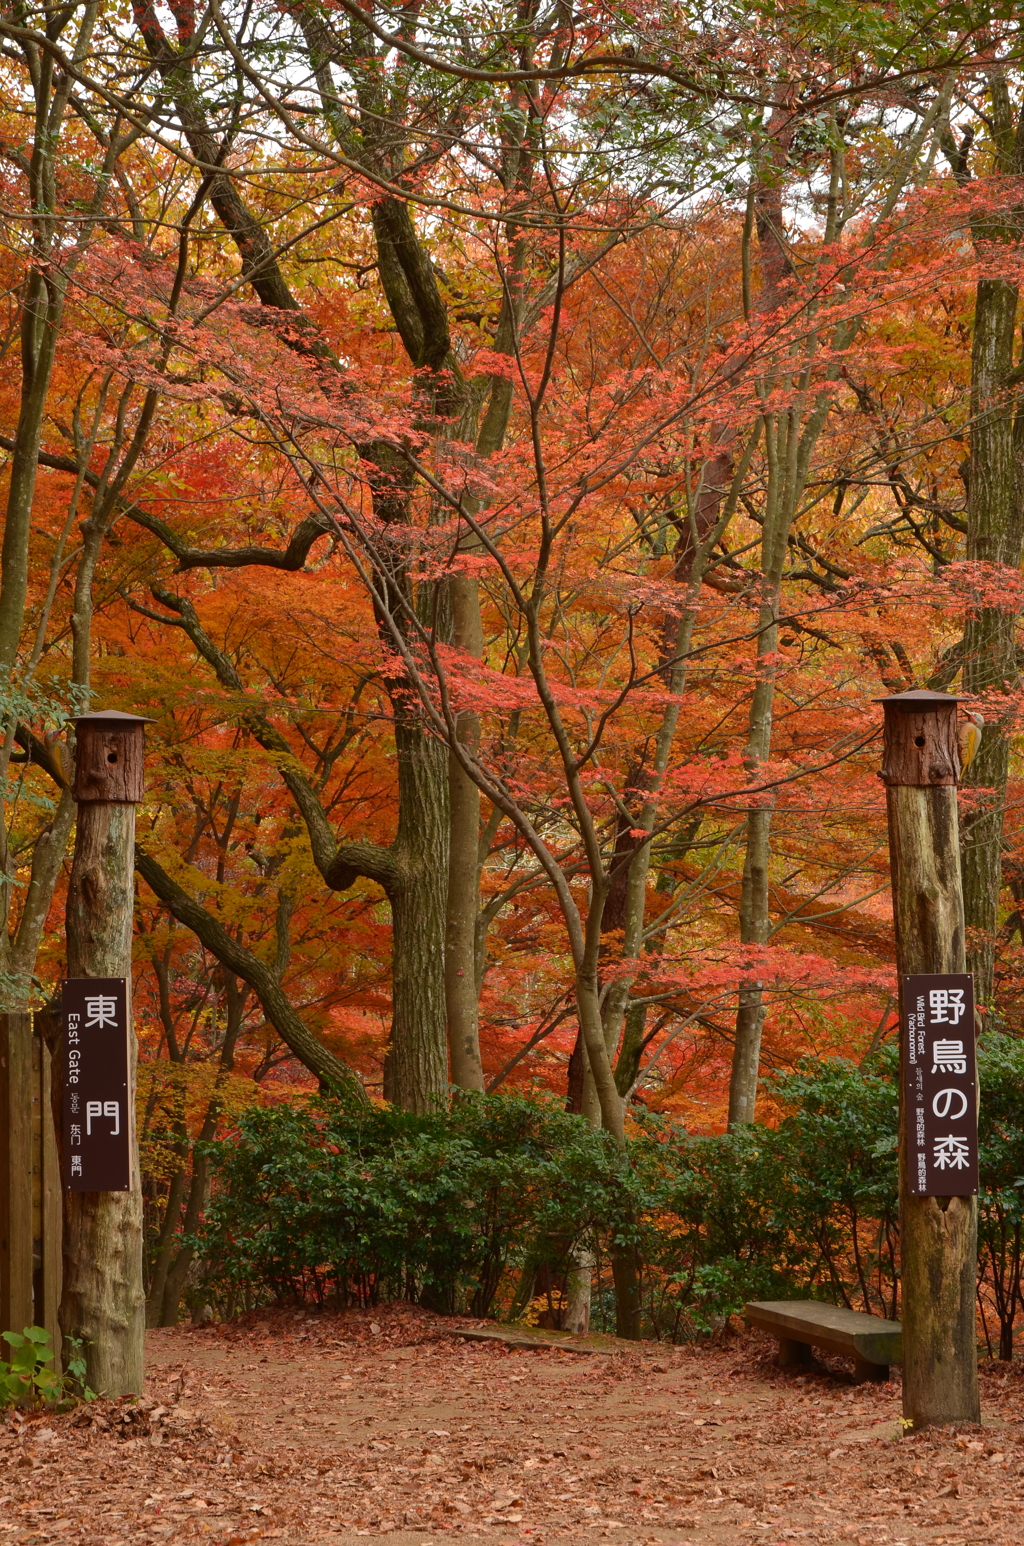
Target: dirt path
(333, 1429)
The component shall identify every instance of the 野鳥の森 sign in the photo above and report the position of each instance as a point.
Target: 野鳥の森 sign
(97, 1157)
(940, 1084)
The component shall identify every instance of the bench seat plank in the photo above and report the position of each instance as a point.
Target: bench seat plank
(868, 1338)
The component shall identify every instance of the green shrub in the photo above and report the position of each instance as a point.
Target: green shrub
(322, 1200)
(805, 1208)
(29, 1377)
(1001, 1173)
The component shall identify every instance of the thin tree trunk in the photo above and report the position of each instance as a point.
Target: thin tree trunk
(165, 1248)
(165, 1298)
(1006, 1340)
(461, 996)
(178, 1270)
(39, 324)
(42, 312)
(755, 927)
(418, 1073)
(754, 918)
(462, 980)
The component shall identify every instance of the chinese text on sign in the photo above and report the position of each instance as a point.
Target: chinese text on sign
(96, 1117)
(937, 1016)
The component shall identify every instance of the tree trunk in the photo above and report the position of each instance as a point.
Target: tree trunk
(575, 1076)
(755, 927)
(754, 919)
(626, 1277)
(627, 1064)
(42, 313)
(103, 1301)
(165, 1248)
(938, 1235)
(418, 1073)
(178, 1271)
(1006, 1341)
(995, 535)
(463, 865)
(578, 1280)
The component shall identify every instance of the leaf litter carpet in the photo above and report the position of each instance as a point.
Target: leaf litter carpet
(315, 1429)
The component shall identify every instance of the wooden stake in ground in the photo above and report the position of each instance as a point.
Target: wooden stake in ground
(938, 1235)
(102, 1299)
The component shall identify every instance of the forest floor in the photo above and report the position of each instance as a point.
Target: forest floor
(307, 1430)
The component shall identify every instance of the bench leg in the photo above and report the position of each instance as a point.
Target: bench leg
(791, 1352)
(863, 1370)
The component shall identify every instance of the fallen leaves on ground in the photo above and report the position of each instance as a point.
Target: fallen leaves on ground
(307, 1429)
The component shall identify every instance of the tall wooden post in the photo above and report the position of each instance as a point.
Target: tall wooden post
(29, 1181)
(16, 1154)
(102, 1299)
(938, 1235)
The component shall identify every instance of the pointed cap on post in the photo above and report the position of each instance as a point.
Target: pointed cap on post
(111, 717)
(918, 699)
(921, 747)
(110, 751)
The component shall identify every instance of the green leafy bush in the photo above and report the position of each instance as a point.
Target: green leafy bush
(29, 1376)
(810, 1207)
(806, 1207)
(1001, 1173)
(322, 1200)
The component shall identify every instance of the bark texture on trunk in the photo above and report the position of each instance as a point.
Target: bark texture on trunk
(628, 1301)
(103, 1300)
(165, 1248)
(938, 1235)
(16, 1296)
(755, 919)
(781, 447)
(755, 928)
(464, 864)
(418, 1061)
(578, 1282)
(995, 535)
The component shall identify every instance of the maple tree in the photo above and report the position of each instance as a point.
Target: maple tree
(506, 454)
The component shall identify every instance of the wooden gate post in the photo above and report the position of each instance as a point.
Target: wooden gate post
(102, 1299)
(938, 1235)
(15, 1173)
(29, 1183)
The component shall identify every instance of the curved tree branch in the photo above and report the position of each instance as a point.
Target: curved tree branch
(263, 980)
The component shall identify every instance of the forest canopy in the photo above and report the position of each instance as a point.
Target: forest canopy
(506, 451)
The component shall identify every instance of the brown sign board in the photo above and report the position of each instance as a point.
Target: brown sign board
(97, 1119)
(940, 1084)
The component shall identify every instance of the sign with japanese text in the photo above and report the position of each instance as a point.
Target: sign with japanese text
(940, 1084)
(96, 1116)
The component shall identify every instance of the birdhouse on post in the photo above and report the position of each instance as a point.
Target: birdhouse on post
(921, 744)
(921, 769)
(110, 754)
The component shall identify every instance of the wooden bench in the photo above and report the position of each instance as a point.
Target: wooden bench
(800, 1324)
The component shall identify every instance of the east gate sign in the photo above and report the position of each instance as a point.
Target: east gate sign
(97, 1156)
